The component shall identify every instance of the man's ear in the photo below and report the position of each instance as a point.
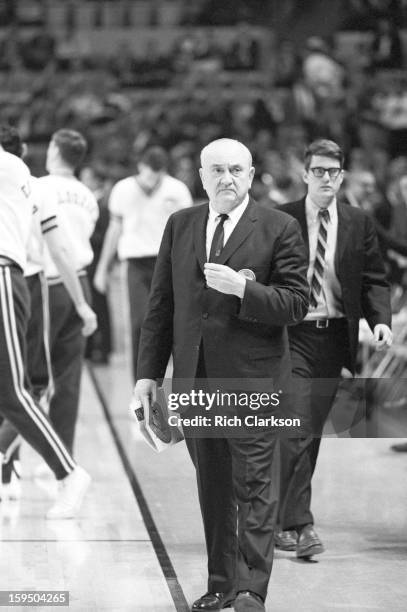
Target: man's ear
(305, 176)
(24, 150)
(201, 175)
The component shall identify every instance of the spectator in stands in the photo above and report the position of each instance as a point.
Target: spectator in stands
(287, 64)
(361, 192)
(39, 51)
(387, 51)
(244, 53)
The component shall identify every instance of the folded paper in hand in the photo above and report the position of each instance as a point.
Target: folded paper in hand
(154, 427)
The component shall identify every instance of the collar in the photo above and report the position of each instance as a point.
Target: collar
(234, 215)
(312, 209)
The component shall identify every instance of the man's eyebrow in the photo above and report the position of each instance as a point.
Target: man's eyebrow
(228, 165)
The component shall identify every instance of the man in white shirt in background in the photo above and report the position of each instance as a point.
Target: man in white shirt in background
(140, 206)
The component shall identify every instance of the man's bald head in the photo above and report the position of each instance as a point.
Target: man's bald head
(223, 145)
(226, 173)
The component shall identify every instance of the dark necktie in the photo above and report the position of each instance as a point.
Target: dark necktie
(319, 265)
(218, 239)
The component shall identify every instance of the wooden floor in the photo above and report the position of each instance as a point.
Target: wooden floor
(138, 544)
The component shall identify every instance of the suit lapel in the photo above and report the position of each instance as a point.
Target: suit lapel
(200, 235)
(242, 230)
(302, 220)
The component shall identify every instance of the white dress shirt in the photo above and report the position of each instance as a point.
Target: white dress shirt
(228, 226)
(330, 299)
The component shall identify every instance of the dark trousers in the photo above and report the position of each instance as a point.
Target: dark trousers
(318, 356)
(238, 507)
(67, 346)
(16, 403)
(38, 357)
(139, 276)
(99, 344)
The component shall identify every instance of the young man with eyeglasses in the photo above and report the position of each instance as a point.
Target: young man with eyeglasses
(347, 281)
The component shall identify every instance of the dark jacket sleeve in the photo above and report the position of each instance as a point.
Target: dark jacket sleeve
(388, 241)
(157, 331)
(285, 300)
(375, 288)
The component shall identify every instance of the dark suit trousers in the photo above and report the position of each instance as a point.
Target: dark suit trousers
(67, 345)
(139, 277)
(238, 507)
(318, 356)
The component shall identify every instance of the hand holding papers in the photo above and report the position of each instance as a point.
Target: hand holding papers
(150, 408)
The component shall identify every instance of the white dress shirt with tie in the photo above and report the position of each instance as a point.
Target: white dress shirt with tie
(229, 225)
(329, 304)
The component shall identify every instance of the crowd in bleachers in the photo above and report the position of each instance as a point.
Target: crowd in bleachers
(271, 94)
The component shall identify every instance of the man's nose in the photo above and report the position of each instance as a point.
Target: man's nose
(226, 178)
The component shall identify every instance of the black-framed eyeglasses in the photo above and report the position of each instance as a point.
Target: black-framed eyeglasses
(319, 172)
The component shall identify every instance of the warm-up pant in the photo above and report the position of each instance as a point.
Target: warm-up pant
(38, 358)
(16, 403)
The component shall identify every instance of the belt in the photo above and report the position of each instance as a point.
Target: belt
(325, 323)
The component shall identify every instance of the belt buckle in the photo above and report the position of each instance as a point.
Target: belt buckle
(322, 323)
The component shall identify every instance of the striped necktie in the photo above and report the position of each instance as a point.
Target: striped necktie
(218, 238)
(319, 265)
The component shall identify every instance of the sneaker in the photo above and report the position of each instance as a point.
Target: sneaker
(70, 495)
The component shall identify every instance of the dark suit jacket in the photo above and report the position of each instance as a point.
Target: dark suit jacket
(240, 338)
(359, 268)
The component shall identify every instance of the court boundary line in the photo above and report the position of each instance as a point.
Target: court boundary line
(167, 568)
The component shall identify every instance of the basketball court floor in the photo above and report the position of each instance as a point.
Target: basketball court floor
(138, 543)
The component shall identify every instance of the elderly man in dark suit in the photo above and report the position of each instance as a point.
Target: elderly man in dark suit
(230, 276)
(347, 280)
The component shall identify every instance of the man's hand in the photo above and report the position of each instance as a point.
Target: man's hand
(100, 280)
(88, 317)
(383, 337)
(224, 279)
(145, 393)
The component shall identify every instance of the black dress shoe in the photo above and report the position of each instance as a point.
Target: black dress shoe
(285, 540)
(212, 601)
(308, 543)
(247, 601)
